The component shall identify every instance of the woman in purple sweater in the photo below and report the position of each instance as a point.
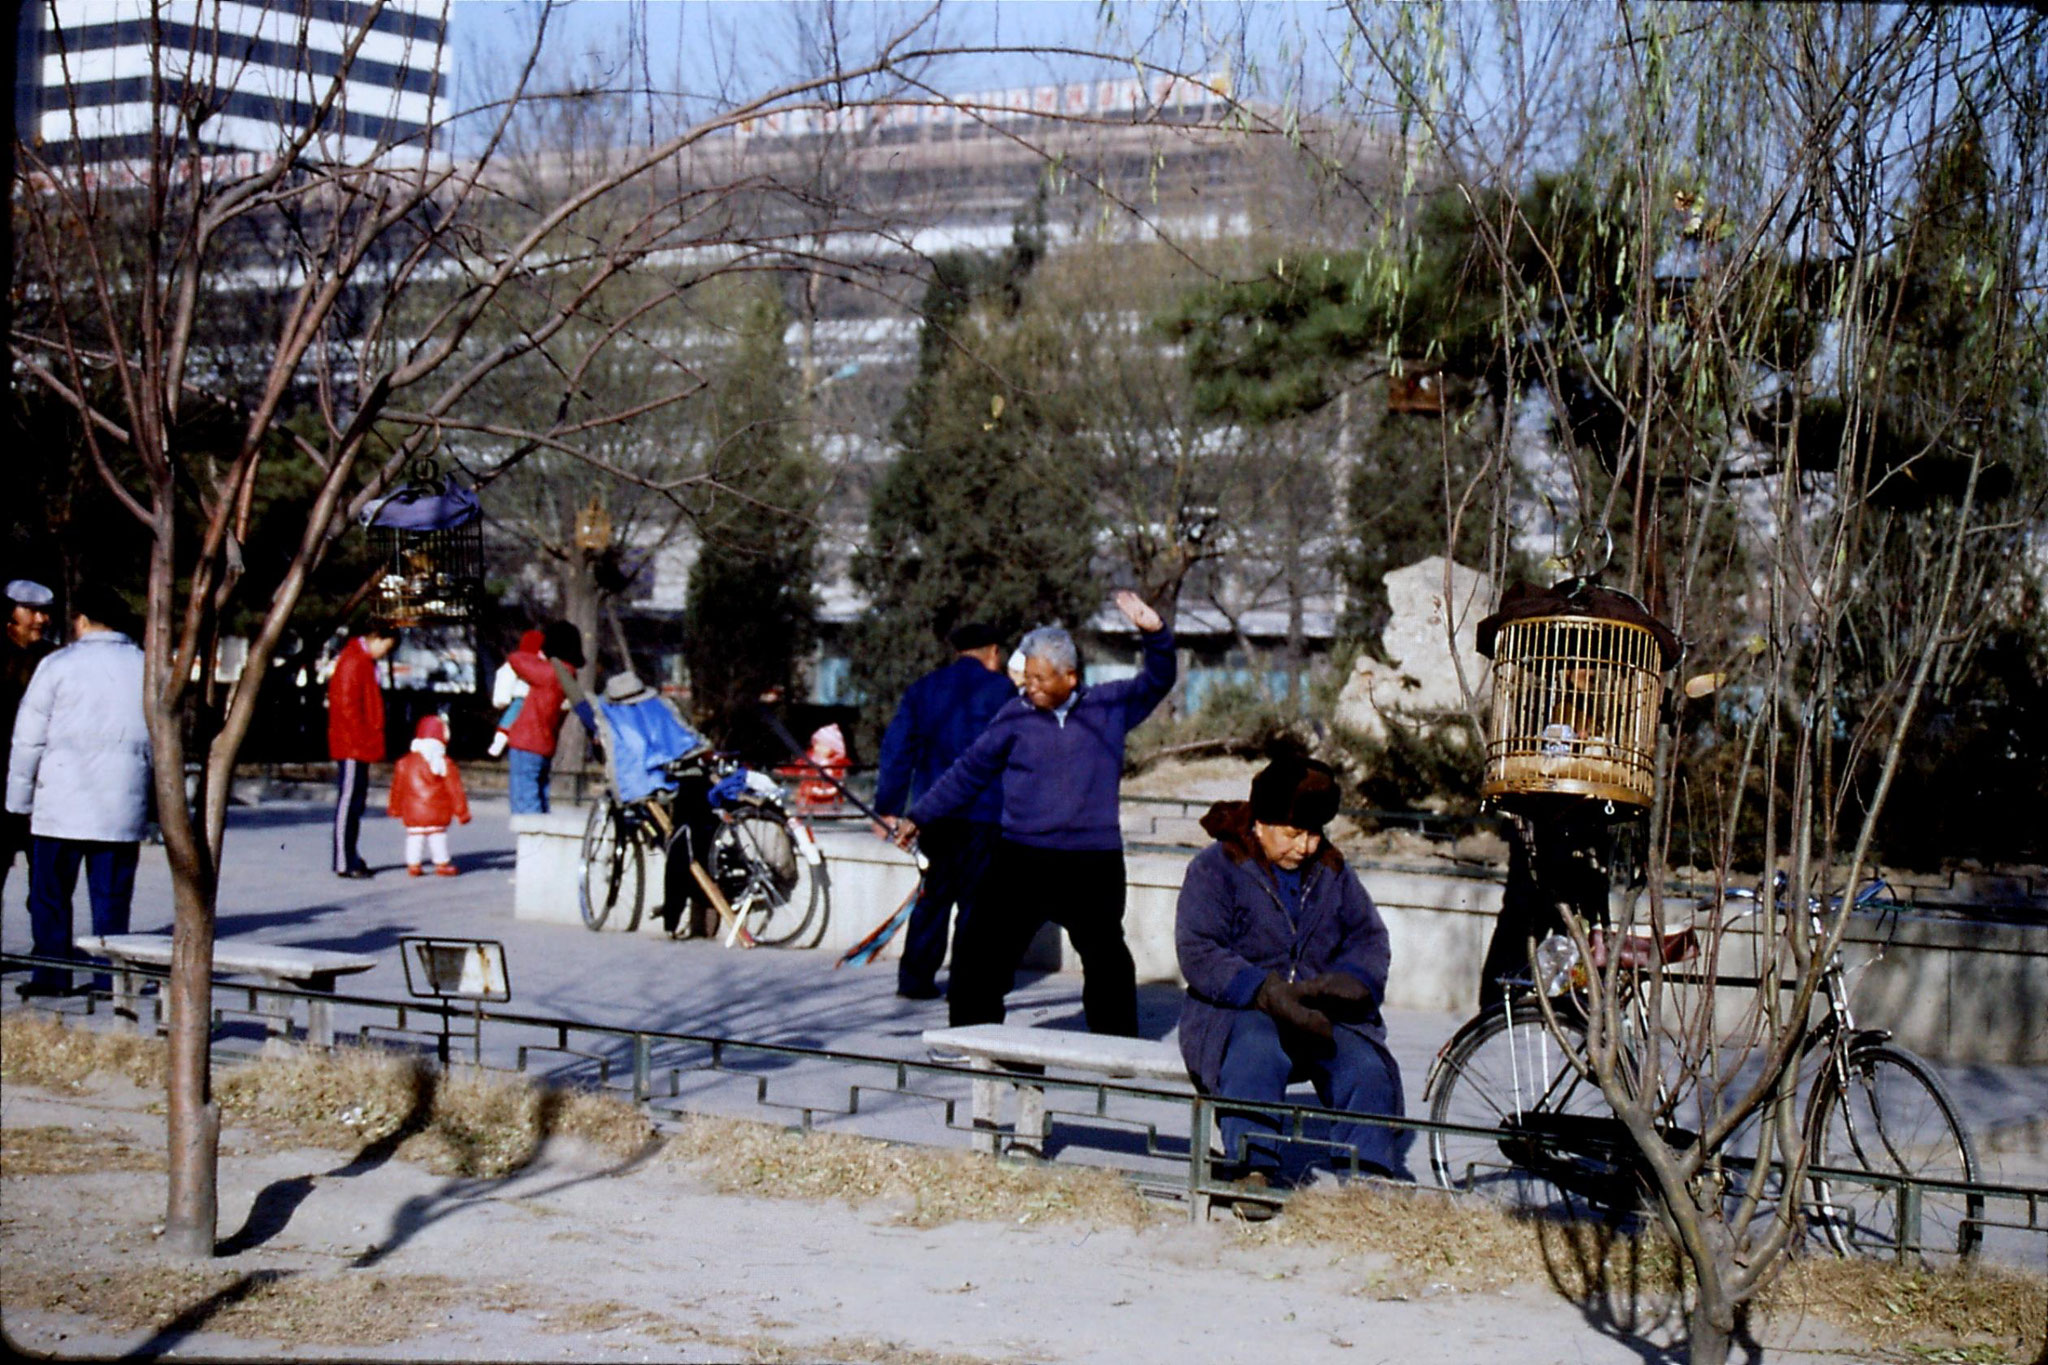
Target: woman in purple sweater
(1059, 753)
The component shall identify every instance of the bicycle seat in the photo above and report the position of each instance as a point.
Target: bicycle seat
(1641, 947)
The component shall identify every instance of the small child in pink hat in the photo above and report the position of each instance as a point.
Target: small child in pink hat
(426, 793)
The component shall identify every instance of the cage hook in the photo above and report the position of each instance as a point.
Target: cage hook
(1610, 806)
(1585, 565)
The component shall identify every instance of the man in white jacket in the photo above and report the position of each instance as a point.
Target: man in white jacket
(79, 769)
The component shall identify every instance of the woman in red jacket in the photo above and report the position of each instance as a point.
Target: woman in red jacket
(426, 793)
(355, 738)
(539, 722)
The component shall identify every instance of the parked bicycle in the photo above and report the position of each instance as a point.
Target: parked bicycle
(763, 863)
(1874, 1106)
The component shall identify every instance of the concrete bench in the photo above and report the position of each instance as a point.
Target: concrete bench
(308, 969)
(996, 1048)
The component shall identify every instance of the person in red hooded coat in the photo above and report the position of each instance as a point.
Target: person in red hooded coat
(426, 793)
(533, 732)
(355, 737)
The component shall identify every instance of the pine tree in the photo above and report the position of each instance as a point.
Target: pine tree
(748, 615)
(985, 514)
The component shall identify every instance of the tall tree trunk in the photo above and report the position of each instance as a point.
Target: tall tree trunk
(192, 1119)
(579, 609)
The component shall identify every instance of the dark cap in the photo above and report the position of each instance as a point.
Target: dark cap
(103, 606)
(1297, 792)
(561, 640)
(973, 635)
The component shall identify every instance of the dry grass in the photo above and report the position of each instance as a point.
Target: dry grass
(1427, 1239)
(67, 1151)
(1980, 1313)
(741, 1157)
(454, 1124)
(1977, 1313)
(351, 1307)
(466, 1124)
(38, 1050)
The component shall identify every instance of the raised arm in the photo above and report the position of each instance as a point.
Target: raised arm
(1139, 695)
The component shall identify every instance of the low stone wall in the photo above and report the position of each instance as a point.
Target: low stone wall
(1960, 990)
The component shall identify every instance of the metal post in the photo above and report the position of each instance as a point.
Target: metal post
(1909, 1219)
(641, 1064)
(1204, 1119)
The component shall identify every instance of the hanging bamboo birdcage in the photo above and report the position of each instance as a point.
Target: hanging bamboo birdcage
(1577, 682)
(429, 537)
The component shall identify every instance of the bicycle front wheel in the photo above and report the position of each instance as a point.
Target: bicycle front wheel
(1505, 1071)
(1886, 1112)
(783, 889)
(609, 870)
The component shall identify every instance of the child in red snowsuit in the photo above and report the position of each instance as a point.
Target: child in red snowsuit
(426, 793)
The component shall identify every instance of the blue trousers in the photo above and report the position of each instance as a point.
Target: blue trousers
(351, 792)
(957, 853)
(526, 781)
(1353, 1073)
(53, 880)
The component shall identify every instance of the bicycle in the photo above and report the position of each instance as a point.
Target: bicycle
(765, 874)
(1874, 1106)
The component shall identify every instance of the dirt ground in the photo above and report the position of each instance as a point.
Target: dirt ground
(586, 1257)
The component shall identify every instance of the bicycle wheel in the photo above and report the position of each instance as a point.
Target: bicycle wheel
(778, 891)
(609, 870)
(1890, 1115)
(1506, 1071)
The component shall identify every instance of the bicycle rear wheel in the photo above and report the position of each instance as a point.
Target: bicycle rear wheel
(782, 891)
(1506, 1071)
(1890, 1115)
(609, 868)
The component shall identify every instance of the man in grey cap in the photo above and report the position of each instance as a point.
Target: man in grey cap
(22, 647)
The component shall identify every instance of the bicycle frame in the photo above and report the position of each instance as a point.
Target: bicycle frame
(1880, 1104)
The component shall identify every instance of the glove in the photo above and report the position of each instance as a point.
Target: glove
(1343, 996)
(1282, 999)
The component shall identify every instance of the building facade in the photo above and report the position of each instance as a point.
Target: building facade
(107, 81)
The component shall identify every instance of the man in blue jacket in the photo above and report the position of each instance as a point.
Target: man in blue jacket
(1058, 751)
(1286, 962)
(943, 712)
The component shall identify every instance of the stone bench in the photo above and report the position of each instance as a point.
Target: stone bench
(995, 1049)
(307, 969)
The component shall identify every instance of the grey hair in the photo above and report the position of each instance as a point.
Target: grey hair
(1053, 645)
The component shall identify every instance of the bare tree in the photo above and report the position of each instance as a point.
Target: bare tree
(339, 302)
(1776, 276)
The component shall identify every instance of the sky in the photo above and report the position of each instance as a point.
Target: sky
(702, 47)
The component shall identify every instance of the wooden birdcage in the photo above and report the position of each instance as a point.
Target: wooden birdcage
(1575, 701)
(429, 536)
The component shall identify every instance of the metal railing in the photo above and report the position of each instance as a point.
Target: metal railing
(1160, 1138)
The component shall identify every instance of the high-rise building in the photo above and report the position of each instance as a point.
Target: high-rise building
(234, 78)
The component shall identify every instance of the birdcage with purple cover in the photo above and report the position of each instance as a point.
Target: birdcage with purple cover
(430, 537)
